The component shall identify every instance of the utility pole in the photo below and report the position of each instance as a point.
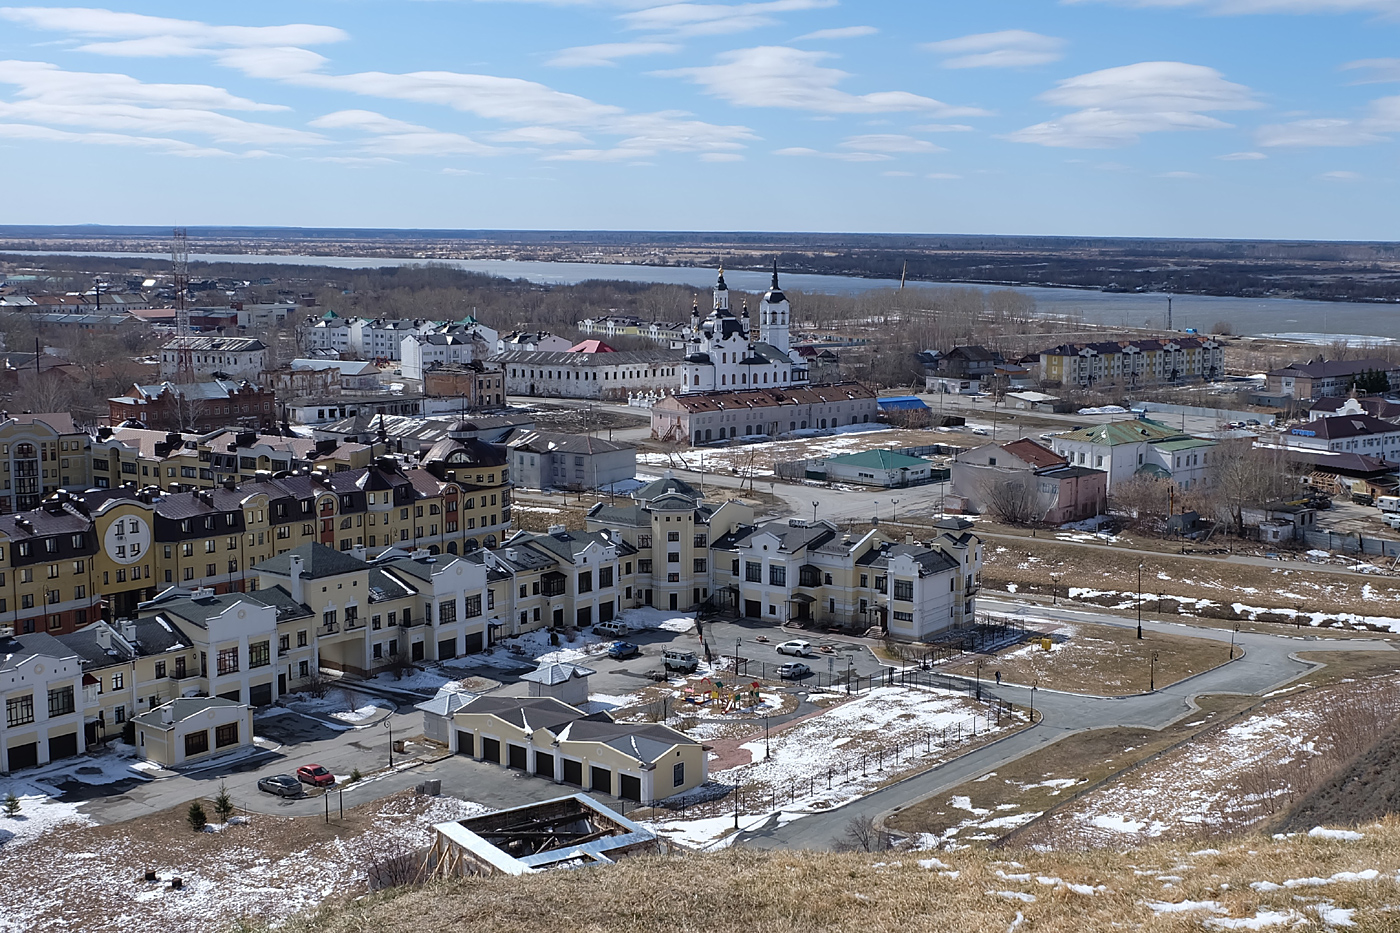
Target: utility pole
(180, 279)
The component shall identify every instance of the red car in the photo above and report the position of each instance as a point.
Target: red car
(315, 775)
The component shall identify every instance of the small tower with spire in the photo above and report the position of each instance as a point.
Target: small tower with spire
(721, 293)
(773, 316)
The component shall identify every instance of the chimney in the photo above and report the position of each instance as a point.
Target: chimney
(127, 629)
(909, 537)
(512, 554)
(295, 562)
(359, 553)
(104, 637)
(167, 713)
(556, 530)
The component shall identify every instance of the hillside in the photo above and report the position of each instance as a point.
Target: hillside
(1326, 879)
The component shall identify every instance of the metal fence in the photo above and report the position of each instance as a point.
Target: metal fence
(1351, 543)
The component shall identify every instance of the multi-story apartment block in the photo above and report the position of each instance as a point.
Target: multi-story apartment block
(38, 454)
(41, 687)
(1133, 362)
(233, 357)
(1123, 449)
(196, 406)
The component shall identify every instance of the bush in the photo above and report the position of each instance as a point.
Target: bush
(11, 805)
(196, 817)
(355, 775)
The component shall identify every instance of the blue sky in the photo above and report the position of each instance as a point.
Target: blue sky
(1219, 118)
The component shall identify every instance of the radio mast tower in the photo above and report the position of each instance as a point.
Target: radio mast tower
(180, 275)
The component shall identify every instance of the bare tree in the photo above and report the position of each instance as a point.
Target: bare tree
(862, 835)
(1014, 500)
(1246, 476)
(45, 392)
(187, 411)
(1142, 497)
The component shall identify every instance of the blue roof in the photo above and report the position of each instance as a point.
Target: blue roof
(902, 402)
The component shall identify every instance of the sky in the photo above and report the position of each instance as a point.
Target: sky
(1183, 118)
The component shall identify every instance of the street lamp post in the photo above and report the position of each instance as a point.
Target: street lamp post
(850, 670)
(894, 516)
(1034, 685)
(876, 503)
(766, 749)
(815, 503)
(980, 662)
(737, 643)
(1152, 674)
(1139, 602)
(1232, 640)
(1054, 589)
(388, 724)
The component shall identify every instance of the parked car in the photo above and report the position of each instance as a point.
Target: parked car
(794, 670)
(982, 431)
(614, 628)
(315, 775)
(1252, 422)
(797, 647)
(623, 649)
(282, 785)
(676, 659)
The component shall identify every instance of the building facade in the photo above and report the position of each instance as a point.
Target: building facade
(721, 352)
(1133, 362)
(230, 357)
(704, 417)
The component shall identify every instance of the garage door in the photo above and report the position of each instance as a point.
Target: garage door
(631, 788)
(466, 743)
(753, 609)
(261, 695)
(234, 695)
(605, 611)
(544, 765)
(473, 643)
(24, 756)
(516, 755)
(447, 648)
(491, 749)
(601, 779)
(63, 746)
(573, 772)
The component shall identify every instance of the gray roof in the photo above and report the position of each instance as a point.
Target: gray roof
(446, 702)
(317, 561)
(658, 357)
(549, 441)
(559, 672)
(644, 741)
(84, 643)
(660, 487)
(216, 344)
(182, 709)
(566, 544)
(18, 649)
(197, 610)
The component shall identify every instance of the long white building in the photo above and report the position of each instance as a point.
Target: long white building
(722, 354)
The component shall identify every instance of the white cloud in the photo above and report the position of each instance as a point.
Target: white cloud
(840, 156)
(1324, 132)
(941, 128)
(1118, 105)
(778, 76)
(168, 146)
(1340, 176)
(843, 32)
(1241, 157)
(713, 19)
(388, 136)
(897, 174)
(890, 143)
(1184, 175)
(721, 157)
(1246, 7)
(593, 56)
(540, 136)
(1379, 70)
(138, 35)
(1010, 48)
(941, 175)
(459, 171)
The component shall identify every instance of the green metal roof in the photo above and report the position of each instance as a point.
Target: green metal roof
(880, 460)
(1123, 432)
(1185, 443)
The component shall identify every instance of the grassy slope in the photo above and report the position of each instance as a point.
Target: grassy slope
(745, 892)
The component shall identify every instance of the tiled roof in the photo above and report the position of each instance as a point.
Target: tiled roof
(317, 561)
(769, 398)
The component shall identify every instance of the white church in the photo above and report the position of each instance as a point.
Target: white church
(721, 354)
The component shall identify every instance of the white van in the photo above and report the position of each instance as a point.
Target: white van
(678, 659)
(1389, 504)
(613, 629)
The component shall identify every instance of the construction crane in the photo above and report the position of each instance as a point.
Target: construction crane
(180, 276)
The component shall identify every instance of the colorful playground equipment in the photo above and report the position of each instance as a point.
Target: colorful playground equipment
(715, 694)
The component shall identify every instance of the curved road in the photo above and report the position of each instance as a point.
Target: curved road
(1269, 661)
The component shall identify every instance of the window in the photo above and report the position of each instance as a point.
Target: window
(160, 668)
(808, 575)
(678, 774)
(673, 536)
(301, 638)
(260, 654)
(605, 577)
(585, 581)
(673, 557)
(19, 710)
(227, 661)
(196, 743)
(903, 616)
(473, 606)
(644, 566)
(700, 539)
(777, 575)
(904, 590)
(119, 714)
(673, 578)
(226, 735)
(864, 580)
(60, 701)
(447, 610)
(118, 680)
(753, 571)
(700, 565)
(643, 540)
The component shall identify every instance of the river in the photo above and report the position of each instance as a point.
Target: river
(1316, 321)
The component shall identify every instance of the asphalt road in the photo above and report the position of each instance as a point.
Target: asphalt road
(1268, 663)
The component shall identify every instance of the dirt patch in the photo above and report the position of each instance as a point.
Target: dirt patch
(1101, 660)
(1366, 789)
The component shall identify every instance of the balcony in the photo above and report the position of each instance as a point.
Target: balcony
(327, 628)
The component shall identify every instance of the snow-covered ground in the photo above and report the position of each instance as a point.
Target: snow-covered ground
(803, 445)
(37, 789)
(91, 878)
(342, 704)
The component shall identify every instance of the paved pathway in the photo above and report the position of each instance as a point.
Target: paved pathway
(1268, 663)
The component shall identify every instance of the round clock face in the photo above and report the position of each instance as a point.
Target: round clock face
(127, 539)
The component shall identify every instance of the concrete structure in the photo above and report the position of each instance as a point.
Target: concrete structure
(561, 743)
(532, 342)
(189, 730)
(1358, 434)
(705, 417)
(1122, 449)
(196, 406)
(422, 352)
(41, 686)
(226, 357)
(546, 460)
(1133, 362)
(567, 832)
(560, 680)
(562, 374)
(477, 384)
(351, 375)
(1319, 378)
(886, 468)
